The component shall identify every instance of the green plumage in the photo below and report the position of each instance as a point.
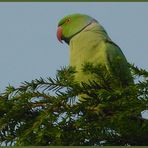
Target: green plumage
(89, 42)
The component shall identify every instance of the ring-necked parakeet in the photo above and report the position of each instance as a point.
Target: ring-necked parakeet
(89, 42)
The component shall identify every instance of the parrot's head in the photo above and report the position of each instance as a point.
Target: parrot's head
(71, 25)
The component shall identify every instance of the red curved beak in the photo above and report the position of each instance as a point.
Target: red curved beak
(59, 34)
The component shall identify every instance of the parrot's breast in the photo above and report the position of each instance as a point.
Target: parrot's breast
(86, 47)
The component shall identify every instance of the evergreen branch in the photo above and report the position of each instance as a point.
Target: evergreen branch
(138, 71)
(33, 115)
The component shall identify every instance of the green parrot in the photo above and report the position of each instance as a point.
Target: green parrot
(89, 42)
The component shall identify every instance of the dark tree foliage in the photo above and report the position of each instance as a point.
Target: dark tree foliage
(47, 111)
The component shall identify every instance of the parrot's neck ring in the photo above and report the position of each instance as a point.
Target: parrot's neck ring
(87, 27)
(90, 25)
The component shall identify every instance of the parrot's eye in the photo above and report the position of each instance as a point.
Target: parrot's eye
(68, 20)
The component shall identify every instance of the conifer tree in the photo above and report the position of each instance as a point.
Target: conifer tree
(47, 111)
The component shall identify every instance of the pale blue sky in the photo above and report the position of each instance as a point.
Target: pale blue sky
(29, 48)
